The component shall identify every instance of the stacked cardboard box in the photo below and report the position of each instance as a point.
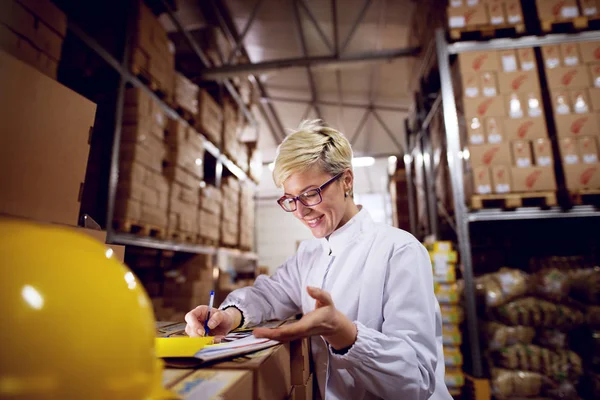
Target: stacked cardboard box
(143, 189)
(209, 214)
(185, 171)
(247, 220)
(482, 13)
(209, 120)
(444, 260)
(186, 94)
(207, 383)
(573, 71)
(214, 44)
(231, 212)
(153, 55)
(589, 8)
(231, 123)
(509, 149)
(33, 31)
(558, 10)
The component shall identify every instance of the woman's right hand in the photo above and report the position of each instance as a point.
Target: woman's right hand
(220, 323)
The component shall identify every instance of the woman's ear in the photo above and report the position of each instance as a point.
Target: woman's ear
(348, 180)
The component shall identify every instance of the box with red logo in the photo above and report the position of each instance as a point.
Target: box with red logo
(568, 77)
(508, 60)
(462, 17)
(582, 176)
(561, 101)
(475, 130)
(570, 54)
(525, 128)
(514, 12)
(589, 8)
(555, 10)
(482, 183)
(489, 84)
(484, 107)
(576, 125)
(595, 98)
(521, 151)
(489, 155)
(494, 130)
(496, 12)
(501, 179)
(471, 84)
(590, 52)
(551, 56)
(542, 152)
(533, 179)
(569, 151)
(580, 101)
(595, 74)
(526, 104)
(588, 148)
(477, 61)
(526, 57)
(518, 81)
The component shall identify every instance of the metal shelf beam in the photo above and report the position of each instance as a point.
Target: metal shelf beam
(129, 239)
(533, 213)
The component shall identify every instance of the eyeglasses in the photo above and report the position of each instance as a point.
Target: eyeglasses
(309, 198)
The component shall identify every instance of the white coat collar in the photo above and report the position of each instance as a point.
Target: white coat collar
(344, 236)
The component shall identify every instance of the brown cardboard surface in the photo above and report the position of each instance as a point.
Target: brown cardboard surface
(590, 52)
(526, 57)
(533, 179)
(270, 369)
(496, 13)
(595, 74)
(460, 17)
(542, 152)
(484, 107)
(521, 151)
(595, 98)
(561, 101)
(580, 101)
(501, 182)
(494, 130)
(568, 77)
(589, 8)
(47, 146)
(588, 148)
(582, 176)
(478, 61)
(208, 383)
(508, 61)
(551, 56)
(475, 130)
(489, 154)
(570, 54)
(489, 84)
(471, 85)
(300, 361)
(304, 391)
(519, 82)
(576, 125)
(48, 41)
(17, 18)
(569, 151)
(525, 128)
(49, 13)
(482, 183)
(552, 10)
(514, 13)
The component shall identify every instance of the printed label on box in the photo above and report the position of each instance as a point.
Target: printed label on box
(457, 21)
(494, 138)
(569, 12)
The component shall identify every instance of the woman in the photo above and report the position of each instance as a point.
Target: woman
(365, 289)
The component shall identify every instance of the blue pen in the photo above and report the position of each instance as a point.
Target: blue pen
(210, 306)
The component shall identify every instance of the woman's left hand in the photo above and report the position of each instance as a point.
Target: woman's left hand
(325, 320)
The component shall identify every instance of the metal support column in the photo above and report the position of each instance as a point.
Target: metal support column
(408, 162)
(430, 184)
(455, 164)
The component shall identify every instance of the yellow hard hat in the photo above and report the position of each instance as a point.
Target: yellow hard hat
(76, 323)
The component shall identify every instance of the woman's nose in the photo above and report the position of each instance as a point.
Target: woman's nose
(301, 210)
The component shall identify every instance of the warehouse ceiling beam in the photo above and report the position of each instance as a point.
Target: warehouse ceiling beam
(357, 21)
(316, 25)
(299, 62)
(334, 22)
(360, 127)
(389, 132)
(240, 40)
(309, 74)
(335, 103)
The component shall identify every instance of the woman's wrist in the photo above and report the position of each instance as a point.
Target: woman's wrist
(236, 316)
(344, 335)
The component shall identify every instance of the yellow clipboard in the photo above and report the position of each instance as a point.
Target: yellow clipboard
(180, 346)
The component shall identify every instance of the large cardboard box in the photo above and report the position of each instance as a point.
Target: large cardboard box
(494, 130)
(588, 148)
(514, 13)
(576, 125)
(44, 148)
(213, 384)
(582, 176)
(569, 151)
(525, 128)
(508, 60)
(533, 179)
(475, 130)
(542, 152)
(526, 57)
(553, 10)
(484, 107)
(270, 371)
(461, 17)
(304, 391)
(521, 150)
(570, 54)
(590, 52)
(490, 154)
(300, 361)
(519, 81)
(482, 184)
(551, 56)
(568, 77)
(595, 98)
(501, 181)
(478, 61)
(595, 74)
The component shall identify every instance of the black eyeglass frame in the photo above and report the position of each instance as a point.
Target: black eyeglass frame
(317, 190)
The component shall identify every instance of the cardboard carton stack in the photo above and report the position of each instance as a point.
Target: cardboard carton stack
(573, 72)
(484, 13)
(186, 94)
(509, 149)
(185, 171)
(589, 8)
(443, 260)
(558, 10)
(209, 120)
(247, 220)
(231, 124)
(143, 188)
(215, 45)
(33, 31)
(231, 212)
(153, 55)
(209, 214)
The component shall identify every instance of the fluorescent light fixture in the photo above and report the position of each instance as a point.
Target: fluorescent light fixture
(358, 162)
(392, 159)
(407, 159)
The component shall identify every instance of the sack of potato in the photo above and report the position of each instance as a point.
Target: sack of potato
(498, 288)
(538, 313)
(497, 335)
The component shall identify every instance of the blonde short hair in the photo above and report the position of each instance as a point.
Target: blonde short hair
(312, 144)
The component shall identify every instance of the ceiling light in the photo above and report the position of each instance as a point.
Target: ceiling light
(358, 162)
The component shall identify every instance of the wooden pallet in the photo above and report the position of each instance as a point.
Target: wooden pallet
(206, 241)
(586, 196)
(513, 200)
(567, 25)
(487, 32)
(182, 236)
(138, 228)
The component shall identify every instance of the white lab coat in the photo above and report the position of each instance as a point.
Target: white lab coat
(381, 278)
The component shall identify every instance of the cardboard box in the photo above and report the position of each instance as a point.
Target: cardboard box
(484, 107)
(589, 8)
(526, 56)
(514, 13)
(561, 101)
(569, 151)
(270, 371)
(533, 104)
(494, 130)
(570, 54)
(475, 131)
(542, 152)
(496, 13)
(590, 52)
(582, 176)
(588, 148)
(489, 84)
(482, 184)
(47, 12)
(533, 179)
(207, 383)
(518, 82)
(461, 17)
(471, 85)
(551, 56)
(525, 128)
(508, 61)
(521, 151)
(514, 106)
(456, 3)
(576, 125)
(303, 392)
(489, 155)
(580, 100)
(501, 179)
(478, 61)
(47, 146)
(553, 10)
(568, 78)
(595, 74)
(300, 361)
(595, 98)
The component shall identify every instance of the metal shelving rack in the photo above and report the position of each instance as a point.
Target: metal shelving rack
(127, 78)
(463, 216)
